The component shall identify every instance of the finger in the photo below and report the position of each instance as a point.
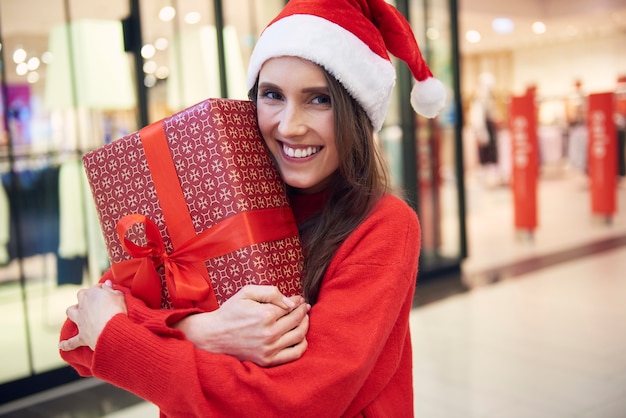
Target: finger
(108, 285)
(288, 354)
(70, 344)
(287, 338)
(72, 312)
(295, 335)
(268, 294)
(297, 300)
(80, 294)
(292, 319)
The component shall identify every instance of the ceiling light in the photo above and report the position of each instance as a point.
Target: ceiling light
(149, 80)
(33, 63)
(147, 51)
(21, 69)
(19, 55)
(167, 13)
(46, 57)
(472, 36)
(539, 27)
(192, 18)
(502, 25)
(162, 73)
(149, 67)
(161, 44)
(32, 77)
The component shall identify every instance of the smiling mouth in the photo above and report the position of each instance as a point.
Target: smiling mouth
(300, 152)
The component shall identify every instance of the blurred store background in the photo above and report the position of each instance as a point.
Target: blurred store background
(79, 74)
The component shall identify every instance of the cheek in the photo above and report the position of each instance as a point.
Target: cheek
(265, 124)
(266, 132)
(261, 119)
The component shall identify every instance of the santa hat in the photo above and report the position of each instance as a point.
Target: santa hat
(350, 40)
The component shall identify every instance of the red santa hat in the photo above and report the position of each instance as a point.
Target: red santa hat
(350, 40)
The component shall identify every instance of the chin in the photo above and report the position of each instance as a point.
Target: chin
(298, 184)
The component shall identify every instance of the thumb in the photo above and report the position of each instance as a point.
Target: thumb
(70, 344)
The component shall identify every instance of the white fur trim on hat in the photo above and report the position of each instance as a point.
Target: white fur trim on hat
(368, 77)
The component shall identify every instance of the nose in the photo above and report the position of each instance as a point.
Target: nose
(292, 121)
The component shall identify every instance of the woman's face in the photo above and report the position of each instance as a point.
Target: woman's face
(297, 122)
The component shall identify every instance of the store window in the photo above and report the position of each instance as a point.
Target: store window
(67, 88)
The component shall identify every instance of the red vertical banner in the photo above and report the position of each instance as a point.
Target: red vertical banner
(602, 152)
(525, 161)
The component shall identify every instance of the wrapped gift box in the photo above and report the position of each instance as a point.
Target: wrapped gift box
(192, 208)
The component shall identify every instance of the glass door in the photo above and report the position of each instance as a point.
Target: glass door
(424, 155)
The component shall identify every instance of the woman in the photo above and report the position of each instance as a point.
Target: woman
(361, 243)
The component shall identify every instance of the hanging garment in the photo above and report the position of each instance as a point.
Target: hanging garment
(34, 194)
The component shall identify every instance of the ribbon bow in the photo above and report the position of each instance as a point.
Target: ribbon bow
(186, 276)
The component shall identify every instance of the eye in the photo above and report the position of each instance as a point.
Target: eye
(322, 99)
(270, 94)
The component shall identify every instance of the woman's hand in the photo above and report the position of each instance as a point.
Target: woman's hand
(96, 306)
(258, 324)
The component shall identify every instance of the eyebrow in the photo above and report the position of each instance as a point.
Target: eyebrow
(323, 89)
(267, 84)
(312, 89)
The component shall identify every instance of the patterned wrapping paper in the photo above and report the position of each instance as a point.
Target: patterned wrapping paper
(225, 187)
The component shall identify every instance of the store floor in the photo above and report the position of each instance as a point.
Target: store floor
(534, 328)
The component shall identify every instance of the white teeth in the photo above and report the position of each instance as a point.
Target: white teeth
(300, 152)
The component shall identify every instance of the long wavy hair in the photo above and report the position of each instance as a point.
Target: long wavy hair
(359, 182)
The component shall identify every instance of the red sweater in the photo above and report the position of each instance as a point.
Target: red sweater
(358, 362)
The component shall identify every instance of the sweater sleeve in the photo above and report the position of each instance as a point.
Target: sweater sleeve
(155, 320)
(358, 329)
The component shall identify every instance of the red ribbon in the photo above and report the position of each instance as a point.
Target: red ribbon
(183, 278)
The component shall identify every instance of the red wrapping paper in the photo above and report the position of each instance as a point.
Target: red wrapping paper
(192, 208)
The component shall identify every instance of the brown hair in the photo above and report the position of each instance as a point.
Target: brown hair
(359, 182)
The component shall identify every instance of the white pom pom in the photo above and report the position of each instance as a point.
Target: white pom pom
(428, 97)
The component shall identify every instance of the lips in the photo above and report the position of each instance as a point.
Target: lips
(301, 152)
